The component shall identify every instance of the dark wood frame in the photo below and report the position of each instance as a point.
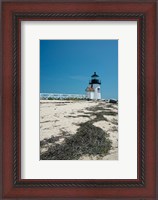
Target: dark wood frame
(144, 187)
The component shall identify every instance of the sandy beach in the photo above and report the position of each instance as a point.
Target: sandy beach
(78, 130)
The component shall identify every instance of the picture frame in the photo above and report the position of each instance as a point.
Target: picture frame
(145, 186)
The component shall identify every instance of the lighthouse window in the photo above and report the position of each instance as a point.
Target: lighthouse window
(98, 89)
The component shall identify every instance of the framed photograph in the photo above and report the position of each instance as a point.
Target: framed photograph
(79, 100)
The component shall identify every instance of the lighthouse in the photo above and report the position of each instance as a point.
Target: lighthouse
(93, 90)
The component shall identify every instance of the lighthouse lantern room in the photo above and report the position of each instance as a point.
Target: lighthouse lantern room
(93, 90)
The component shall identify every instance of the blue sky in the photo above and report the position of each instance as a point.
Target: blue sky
(66, 66)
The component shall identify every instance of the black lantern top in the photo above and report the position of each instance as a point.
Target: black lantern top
(94, 75)
(95, 79)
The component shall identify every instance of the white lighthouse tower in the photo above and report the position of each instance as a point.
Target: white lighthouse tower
(93, 91)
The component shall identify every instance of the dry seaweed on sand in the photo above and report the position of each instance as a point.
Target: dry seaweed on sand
(103, 110)
(114, 121)
(49, 140)
(77, 116)
(89, 140)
